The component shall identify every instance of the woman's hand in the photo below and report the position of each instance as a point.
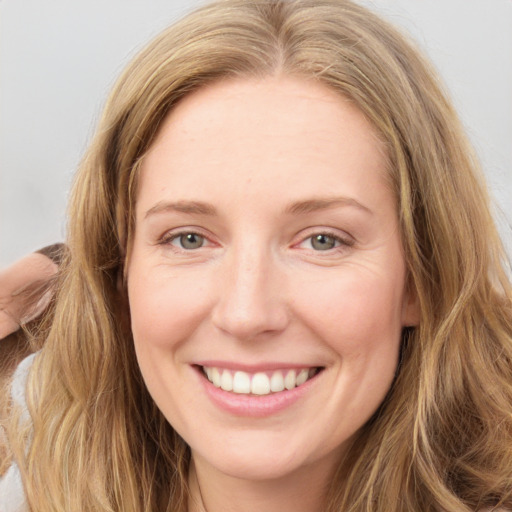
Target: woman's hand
(18, 282)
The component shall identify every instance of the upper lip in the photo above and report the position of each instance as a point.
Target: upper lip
(254, 368)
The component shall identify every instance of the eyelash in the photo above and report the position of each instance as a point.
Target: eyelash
(170, 237)
(341, 243)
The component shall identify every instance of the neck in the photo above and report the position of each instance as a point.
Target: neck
(212, 491)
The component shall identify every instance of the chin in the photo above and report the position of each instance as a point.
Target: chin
(259, 464)
(261, 470)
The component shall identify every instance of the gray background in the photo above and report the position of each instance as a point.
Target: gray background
(59, 58)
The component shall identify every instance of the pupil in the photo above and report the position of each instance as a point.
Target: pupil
(191, 241)
(323, 242)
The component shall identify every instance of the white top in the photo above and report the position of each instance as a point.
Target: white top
(12, 495)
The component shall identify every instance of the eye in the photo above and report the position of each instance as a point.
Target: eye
(323, 242)
(188, 241)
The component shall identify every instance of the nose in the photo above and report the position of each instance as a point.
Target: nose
(251, 296)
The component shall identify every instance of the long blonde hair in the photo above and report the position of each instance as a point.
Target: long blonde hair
(442, 439)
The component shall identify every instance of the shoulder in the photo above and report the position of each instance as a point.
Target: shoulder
(12, 393)
(12, 495)
(19, 381)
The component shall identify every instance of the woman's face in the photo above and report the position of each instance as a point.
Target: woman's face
(266, 280)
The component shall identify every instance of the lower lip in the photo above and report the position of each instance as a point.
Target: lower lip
(256, 406)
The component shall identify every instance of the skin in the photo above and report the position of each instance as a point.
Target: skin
(276, 161)
(16, 278)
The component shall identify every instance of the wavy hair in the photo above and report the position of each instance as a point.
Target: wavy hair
(442, 439)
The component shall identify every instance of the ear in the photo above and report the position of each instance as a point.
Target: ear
(411, 311)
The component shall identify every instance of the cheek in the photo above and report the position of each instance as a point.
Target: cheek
(164, 312)
(357, 313)
(164, 307)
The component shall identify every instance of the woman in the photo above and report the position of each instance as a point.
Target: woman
(284, 288)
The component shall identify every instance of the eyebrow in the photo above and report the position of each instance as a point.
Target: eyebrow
(313, 205)
(296, 208)
(190, 207)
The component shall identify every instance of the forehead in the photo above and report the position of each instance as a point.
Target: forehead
(290, 134)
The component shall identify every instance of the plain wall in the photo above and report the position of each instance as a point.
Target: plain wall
(58, 60)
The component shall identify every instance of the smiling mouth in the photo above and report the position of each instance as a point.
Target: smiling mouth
(259, 383)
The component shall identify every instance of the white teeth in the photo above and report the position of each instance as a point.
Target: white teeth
(258, 383)
(216, 377)
(289, 380)
(241, 382)
(277, 382)
(302, 377)
(226, 381)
